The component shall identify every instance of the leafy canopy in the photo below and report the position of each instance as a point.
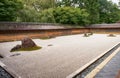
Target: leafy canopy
(9, 9)
(71, 15)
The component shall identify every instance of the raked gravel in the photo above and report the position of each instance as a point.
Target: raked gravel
(65, 55)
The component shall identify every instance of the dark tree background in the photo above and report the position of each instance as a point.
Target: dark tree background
(79, 12)
(9, 9)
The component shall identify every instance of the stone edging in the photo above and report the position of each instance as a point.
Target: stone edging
(100, 66)
(9, 71)
(88, 64)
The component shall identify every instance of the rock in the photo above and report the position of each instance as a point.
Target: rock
(86, 35)
(27, 43)
(15, 54)
(1, 56)
(118, 75)
(111, 35)
(90, 33)
(17, 47)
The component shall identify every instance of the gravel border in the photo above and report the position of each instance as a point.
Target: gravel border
(86, 71)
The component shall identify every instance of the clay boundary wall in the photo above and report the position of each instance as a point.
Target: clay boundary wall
(16, 31)
(10, 35)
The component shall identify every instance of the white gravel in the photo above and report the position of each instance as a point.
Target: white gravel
(66, 55)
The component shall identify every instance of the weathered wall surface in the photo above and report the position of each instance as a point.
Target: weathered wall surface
(16, 31)
(114, 25)
(6, 35)
(105, 30)
(28, 25)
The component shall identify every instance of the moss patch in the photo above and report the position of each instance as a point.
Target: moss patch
(28, 49)
(45, 38)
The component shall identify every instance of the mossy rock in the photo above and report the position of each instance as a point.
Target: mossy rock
(27, 45)
(86, 35)
(111, 35)
(28, 49)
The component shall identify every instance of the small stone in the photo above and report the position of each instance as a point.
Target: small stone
(111, 35)
(86, 35)
(50, 45)
(15, 54)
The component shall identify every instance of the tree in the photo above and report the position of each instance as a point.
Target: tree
(71, 15)
(33, 10)
(9, 9)
(39, 4)
(28, 15)
(91, 7)
(64, 3)
(100, 11)
(46, 16)
(109, 12)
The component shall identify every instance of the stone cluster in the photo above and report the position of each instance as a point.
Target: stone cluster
(26, 43)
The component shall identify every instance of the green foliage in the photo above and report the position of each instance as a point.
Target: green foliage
(91, 6)
(46, 16)
(64, 3)
(46, 4)
(109, 12)
(37, 11)
(9, 9)
(100, 11)
(29, 15)
(71, 15)
(79, 12)
(39, 4)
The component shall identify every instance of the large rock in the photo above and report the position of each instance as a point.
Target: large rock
(27, 43)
